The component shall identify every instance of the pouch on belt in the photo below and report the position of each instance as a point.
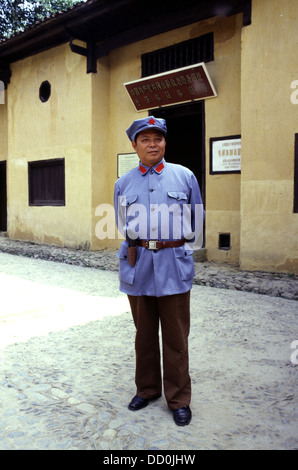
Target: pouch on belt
(132, 252)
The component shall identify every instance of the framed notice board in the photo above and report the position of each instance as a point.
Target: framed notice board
(225, 154)
(126, 162)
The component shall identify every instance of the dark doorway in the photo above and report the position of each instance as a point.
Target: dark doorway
(3, 198)
(186, 138)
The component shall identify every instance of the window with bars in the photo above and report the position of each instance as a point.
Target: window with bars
(47, 182)
(192, 51)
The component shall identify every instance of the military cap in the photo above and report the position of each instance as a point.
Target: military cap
(149, 122)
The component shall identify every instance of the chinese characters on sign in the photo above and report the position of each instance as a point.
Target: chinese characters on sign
(225, 154)
(127, 161)
(181, 85)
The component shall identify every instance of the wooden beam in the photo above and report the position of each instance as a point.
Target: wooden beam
(92, 52)
(5, 73)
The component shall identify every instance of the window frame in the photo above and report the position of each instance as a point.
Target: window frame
(182, 54)
(33, 201)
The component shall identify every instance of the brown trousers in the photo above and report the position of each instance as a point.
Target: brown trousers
(173, 312)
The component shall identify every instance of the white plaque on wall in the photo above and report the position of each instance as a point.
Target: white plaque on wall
(126, 162)
(225, 154)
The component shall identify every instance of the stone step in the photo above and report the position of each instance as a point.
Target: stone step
(200, 255)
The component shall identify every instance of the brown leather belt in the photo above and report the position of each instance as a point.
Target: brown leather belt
(159, 245)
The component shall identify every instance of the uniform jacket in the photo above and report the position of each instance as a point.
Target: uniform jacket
(158, 203)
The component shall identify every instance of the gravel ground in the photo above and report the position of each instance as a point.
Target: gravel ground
(67, 365)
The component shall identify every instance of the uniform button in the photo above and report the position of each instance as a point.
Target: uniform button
(151, 190)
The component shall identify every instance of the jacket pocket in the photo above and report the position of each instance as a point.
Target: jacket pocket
(126, 271)
(179, 196)
(126, 201)
(185, 264)
(126, 214)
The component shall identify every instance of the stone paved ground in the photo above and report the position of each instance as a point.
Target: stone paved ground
(67, 364)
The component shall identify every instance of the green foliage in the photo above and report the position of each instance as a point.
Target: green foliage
(17, 15)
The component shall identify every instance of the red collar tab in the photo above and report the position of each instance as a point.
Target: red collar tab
(159, 168)
(142, 169)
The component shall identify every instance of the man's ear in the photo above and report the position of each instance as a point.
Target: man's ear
(134, 145)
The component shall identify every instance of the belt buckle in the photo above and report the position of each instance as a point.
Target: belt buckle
(152, 245)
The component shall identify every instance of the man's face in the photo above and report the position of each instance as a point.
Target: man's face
(150, 146)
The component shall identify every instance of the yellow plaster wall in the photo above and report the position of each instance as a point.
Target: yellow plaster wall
(85, 120)
(58, 128)
(222, 117)
(3, 136)
(103, 159)
(3, 131)
(269, 119)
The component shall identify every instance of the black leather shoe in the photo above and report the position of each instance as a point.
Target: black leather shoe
(137, 403)
(182, 416)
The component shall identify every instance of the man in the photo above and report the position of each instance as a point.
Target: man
(155, 206)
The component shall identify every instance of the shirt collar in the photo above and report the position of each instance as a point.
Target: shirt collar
(157, 168)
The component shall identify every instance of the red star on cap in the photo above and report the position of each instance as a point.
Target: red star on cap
(152, 121)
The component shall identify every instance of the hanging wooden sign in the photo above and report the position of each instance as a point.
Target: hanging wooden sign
(169, 88)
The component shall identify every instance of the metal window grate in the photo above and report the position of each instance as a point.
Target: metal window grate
(192, 51)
